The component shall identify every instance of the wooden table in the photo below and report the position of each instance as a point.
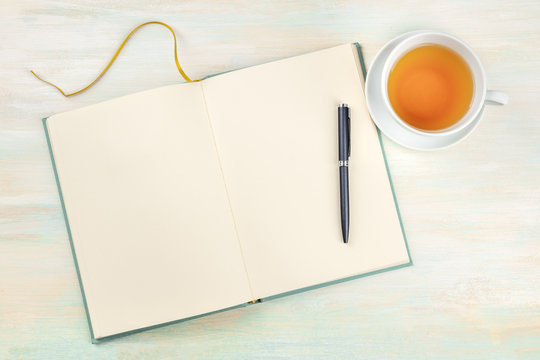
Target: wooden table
(471, 212)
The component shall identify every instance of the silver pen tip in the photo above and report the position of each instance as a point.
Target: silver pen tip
(343, 105)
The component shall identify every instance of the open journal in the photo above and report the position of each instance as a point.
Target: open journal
(197, 197)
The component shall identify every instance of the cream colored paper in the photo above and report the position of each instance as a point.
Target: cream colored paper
(148, 211)
(197, 197)
(276, 130)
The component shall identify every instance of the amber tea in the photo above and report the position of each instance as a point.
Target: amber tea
(430, 87)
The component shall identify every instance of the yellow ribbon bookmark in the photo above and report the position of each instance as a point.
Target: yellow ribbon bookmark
(184, 75)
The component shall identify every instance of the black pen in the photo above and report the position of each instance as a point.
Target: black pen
(344, 139)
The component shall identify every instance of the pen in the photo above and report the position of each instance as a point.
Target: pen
(344, 139)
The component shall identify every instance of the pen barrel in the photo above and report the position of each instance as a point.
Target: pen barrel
(344, 150)
(344, 200)
(343, 132)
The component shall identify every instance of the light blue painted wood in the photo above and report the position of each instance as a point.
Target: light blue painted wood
(471, 212)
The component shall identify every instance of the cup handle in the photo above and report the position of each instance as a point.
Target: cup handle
(494, 97)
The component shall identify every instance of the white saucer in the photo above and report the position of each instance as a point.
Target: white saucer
(391, 128)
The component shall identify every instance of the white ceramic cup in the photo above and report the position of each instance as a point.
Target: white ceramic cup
(481, 95)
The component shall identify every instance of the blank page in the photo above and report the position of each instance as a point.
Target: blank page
(276, 129)
(148, 211)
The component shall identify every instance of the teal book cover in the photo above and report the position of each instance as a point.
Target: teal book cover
(250, 303)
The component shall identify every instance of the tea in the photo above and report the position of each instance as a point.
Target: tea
(430, 87)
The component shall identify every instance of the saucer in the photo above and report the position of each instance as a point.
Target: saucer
(386, 123)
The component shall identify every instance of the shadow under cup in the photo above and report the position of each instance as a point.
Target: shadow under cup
(444, 42)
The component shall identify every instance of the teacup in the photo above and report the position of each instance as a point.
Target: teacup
(480, 94)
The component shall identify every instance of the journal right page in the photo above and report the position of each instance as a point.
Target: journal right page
(275, 127)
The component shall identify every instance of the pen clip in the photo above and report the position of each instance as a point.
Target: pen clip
(348, 133)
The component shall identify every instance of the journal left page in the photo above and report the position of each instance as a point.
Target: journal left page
(147, 209)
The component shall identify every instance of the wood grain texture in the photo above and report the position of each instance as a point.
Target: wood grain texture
(471, 212)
